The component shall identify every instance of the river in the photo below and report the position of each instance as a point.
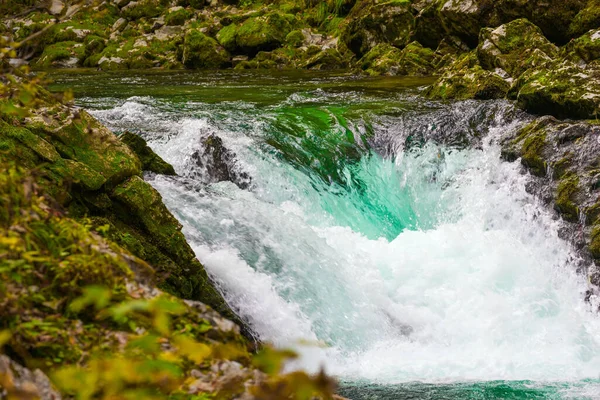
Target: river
(376, 232)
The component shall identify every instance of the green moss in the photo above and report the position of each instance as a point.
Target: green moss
(566, 191)
(150, 160)
(294, 38)
(531, 152)
(178, 17)
(62, 51)
(595, 242)
(227, 37)
(263, 33)
(203, 52)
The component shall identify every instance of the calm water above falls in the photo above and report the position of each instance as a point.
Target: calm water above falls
(372, 222)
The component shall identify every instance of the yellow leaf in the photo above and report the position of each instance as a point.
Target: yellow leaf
(4, 337)
(191, 349)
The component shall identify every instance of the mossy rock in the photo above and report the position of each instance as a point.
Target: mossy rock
(594, 247)
(227, 37)
(143, 9)
(203, 52)
(295, 38)
(263, 33)
(150, 160)
(429, 29)
(329, 59)
(586, 19)
(93, 45)
(585, 48)
(371, 23)
(514, 47)
(85, 140)
(465, 79)
(63, 54)
(177, 17)
(464, 19)
(561, 89)
(413, 60)
(531, 152)
(566, 191)
(41, 147)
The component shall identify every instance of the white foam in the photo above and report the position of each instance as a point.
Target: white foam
(486, 291)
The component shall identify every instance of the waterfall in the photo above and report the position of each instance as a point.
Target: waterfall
(383, 239)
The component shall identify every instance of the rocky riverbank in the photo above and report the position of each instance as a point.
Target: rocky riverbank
(543, 54)
(78, 215)
(99, 289)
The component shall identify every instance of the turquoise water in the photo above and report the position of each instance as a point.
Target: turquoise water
(378, 233)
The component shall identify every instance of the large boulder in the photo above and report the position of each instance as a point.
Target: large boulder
(465, 18)
(81, 138)
(465, 79)
(429, 30)
(514, 47)
(142, 9)
(203, 52)
(264, 33)
(586, 19)
(562, 89)
(585, 48)
(385, 59)
(371, 23)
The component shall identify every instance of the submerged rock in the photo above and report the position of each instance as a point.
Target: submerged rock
(218, 163)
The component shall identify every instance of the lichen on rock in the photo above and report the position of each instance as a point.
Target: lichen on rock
(466, 79)
(562, 89)
(514, 47)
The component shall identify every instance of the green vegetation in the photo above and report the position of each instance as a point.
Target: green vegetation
(85, 245)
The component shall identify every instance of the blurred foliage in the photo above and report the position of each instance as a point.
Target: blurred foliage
(56, 274)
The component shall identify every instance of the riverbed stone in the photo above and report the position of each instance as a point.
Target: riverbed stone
(466, 79)
(372, 22)
(514, 47)
(562, 89)
(585, 48)
(203, 52)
